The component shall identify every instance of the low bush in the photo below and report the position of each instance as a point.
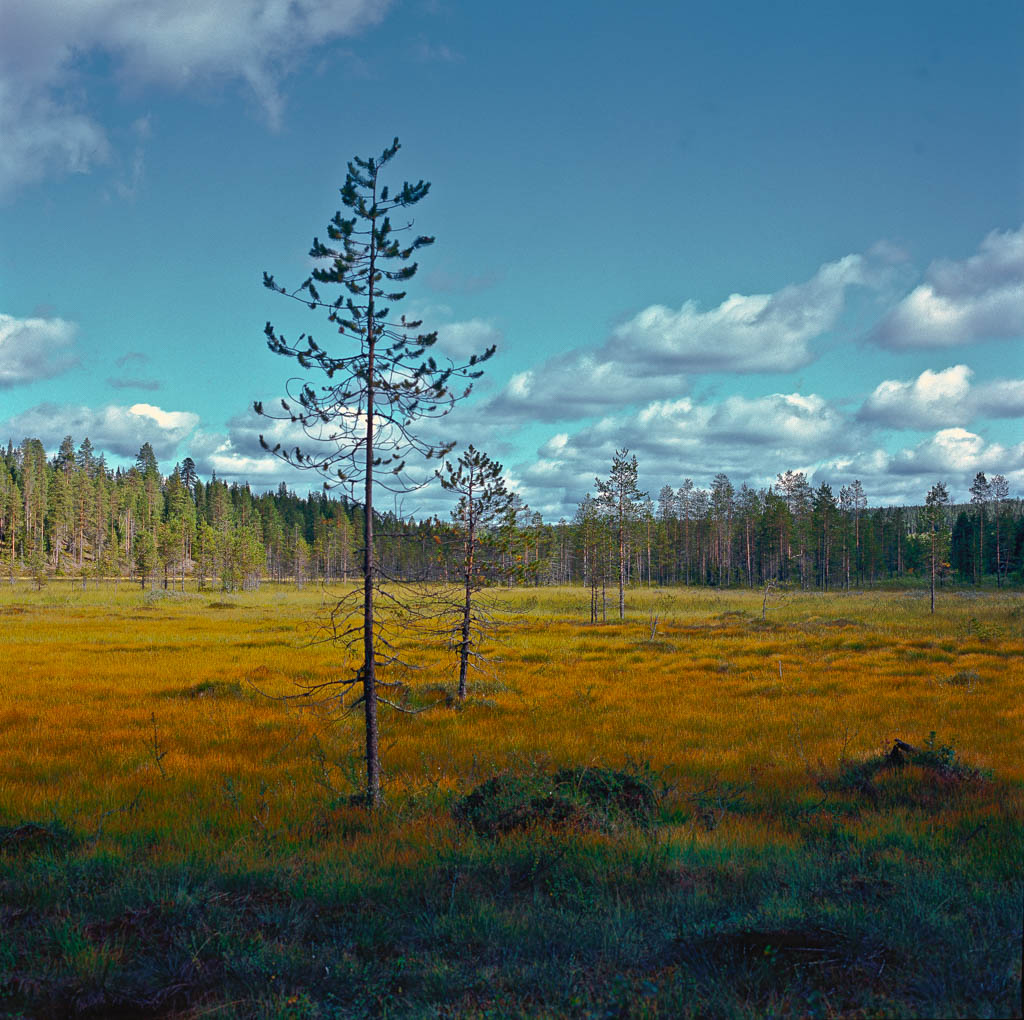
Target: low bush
(586, 797)
(36, 837)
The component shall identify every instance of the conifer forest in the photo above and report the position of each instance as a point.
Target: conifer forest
(72, 516)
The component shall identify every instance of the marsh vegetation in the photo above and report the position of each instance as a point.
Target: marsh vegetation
(698, 818)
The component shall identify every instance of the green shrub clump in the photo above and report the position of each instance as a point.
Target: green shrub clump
(583, 798)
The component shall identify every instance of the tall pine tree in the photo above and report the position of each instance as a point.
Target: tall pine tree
(380, 380)
(619, 497)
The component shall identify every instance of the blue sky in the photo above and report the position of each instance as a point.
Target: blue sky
(747, 238)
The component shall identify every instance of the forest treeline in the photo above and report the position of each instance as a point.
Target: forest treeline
(74, 515)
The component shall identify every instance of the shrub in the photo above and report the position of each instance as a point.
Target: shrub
(35, 837)
(581, 798)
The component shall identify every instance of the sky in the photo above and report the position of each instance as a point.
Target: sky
(736, 237)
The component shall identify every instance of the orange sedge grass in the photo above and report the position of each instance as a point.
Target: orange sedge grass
(185, 708)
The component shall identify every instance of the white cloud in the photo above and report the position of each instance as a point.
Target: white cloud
(1003, 398)
(943, 398)
(218, 454)
(460, 340)
(751, 439)
(34, 348)
(780, 420)
(169, 421)
(650, 356)
(957, 451)
(674, 440)
(933, 398)
(111, 429)
(959, 303)
(953, 456)
(238, 454)
(745, 333)
(44, 117)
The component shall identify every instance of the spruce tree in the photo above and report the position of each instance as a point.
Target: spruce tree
(381, 378)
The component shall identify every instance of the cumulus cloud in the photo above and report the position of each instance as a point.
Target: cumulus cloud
(783, 421)
(943, 398)
(652, 354)
(460, 340)
(580, 384)
(44, 117)
(960, 303)
(237, 454)
(112, 429)
(952, 455)
(34, 348)
(751, 439)
(958, 452)
(745, 333)
(1003, 398)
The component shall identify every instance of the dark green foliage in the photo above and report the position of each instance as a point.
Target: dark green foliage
(927, 777)
(505, 803)
(315, 536)
(613, 793)
(579, 798)
(844, 922)
(36, 837)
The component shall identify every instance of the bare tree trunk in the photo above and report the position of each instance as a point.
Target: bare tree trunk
(622, 570)
(933, 570)
(467, 604)
(369, 651)
(999, 577)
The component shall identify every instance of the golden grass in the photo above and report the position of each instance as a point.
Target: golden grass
(106, 724)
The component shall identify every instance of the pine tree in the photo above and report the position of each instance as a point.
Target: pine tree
(10, 518)
(999, 492)
(619, 496)
(34, 488)
(798, 494)
(361, 421)
(824, 512)
(483, 500)
(684, 501)
(858, 504)
(722, 497)
(981, 493)
(590, 529)
(935, 506)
